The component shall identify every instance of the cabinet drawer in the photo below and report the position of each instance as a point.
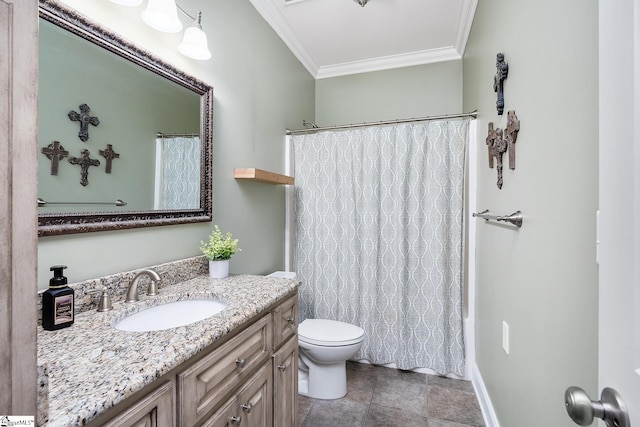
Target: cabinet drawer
(154, 410)
(203, 386)
(285, 321)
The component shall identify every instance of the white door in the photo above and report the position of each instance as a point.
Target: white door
(619, 202)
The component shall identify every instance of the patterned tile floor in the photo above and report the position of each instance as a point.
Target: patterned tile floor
(384, 397)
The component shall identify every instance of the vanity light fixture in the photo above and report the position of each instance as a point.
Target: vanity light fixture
(194, 41)
(130, 3)
(162, 15)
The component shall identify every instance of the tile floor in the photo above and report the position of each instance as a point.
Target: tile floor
(384, 397)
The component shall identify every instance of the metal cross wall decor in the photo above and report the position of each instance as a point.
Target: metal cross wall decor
(55, 152)
(85, 119)
(108, 154)
(85, 161)
(499, 142)
(502, 71)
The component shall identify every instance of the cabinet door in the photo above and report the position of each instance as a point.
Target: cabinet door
(285, 384)
(226, 416)
(156, 409)
(285, 321)
(255, 399)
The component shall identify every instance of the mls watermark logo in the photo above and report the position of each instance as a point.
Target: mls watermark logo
(15, 420)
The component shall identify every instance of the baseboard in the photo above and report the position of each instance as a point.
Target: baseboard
(484, 401)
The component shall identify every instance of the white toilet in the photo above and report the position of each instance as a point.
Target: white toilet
(324, 347)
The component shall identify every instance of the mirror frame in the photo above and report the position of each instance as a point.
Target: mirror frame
(68, 223)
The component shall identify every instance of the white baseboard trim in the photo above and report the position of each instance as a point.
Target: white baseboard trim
(484, 401)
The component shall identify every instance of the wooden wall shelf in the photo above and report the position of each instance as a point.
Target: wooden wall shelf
(260, 175)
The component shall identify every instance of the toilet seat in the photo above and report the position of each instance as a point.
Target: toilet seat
(329, 333)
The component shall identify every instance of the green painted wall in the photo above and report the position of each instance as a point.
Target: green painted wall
(260, 89)
(421, 90)
(132, 104)
(541, 279)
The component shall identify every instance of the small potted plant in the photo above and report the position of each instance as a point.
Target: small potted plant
(218, 251)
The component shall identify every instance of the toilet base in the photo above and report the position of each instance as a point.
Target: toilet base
(326, 382)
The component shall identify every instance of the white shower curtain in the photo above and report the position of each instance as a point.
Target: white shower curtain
(379, 238)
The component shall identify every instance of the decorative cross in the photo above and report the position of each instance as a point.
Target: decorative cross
(55, 152)
(490, 141)
(513, 127)
(499, 148)
(498, 81)
(84, 119)
(108, 154)
(85, 161)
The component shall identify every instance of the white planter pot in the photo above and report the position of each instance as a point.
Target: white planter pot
(219, 269)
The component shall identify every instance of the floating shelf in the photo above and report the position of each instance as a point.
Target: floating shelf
(260, 175)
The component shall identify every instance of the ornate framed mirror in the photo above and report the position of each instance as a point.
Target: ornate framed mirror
(123, 111)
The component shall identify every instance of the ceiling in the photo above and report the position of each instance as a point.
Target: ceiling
(339, 37)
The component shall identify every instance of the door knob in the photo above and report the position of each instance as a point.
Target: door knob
(610, 408)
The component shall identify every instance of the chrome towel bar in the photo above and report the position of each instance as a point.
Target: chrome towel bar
(515, 218)
(42, 202)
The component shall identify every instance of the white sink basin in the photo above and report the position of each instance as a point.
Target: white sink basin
(170, 315)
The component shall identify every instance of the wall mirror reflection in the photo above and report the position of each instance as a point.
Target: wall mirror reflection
(124, 139)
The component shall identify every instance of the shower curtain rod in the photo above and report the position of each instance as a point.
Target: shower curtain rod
(472, 114)
(169, 135)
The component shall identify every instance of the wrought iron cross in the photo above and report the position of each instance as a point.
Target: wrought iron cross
(55, 152)
(85, 119)
(85, 161)
(502, 71)
(490, 141)
(109, 154)
(513, 127)
(499, 148)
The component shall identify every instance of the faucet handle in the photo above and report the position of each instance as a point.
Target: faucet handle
(105, 303)
(152, 290)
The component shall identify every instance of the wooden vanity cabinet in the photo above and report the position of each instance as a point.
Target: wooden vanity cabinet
(250, 380)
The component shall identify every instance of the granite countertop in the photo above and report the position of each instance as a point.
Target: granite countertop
(91, 366)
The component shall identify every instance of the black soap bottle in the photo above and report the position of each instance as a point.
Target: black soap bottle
(57, 302)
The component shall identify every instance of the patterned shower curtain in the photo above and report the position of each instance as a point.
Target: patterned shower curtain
(178, 178)
(379, 238)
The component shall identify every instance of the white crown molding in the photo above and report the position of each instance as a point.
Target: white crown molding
(270, 12)
(389, 62)
(274, 18)
(465, 21)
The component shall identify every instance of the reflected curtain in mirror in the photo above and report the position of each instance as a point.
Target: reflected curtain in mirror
(177, 172)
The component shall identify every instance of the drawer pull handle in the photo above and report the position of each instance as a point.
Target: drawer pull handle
(291, 320)
(282, 367)
(236, 420)
(247, 407)
(240, 362)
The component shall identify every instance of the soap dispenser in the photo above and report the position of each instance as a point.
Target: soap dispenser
(57, 302)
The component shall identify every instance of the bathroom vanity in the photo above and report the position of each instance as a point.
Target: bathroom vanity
(238, 367)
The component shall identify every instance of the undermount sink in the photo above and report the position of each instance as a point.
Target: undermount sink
(170, 315)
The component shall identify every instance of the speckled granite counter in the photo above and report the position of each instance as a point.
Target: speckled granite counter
(92, 366)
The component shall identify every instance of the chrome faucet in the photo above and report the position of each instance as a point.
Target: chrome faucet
(132, 292)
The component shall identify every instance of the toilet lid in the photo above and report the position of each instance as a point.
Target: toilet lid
(329, 332)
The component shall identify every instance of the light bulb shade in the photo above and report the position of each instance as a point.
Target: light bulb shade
(130, 3)
(162, 15)
(194, 44)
